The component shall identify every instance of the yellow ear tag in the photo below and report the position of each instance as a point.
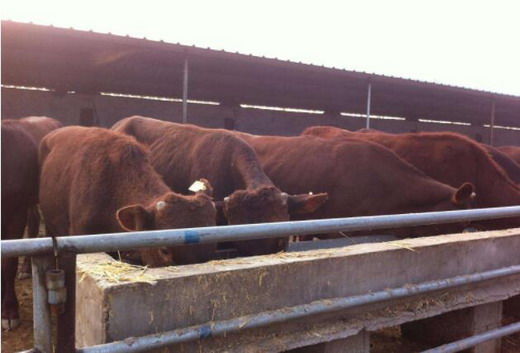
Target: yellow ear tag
(197, 186)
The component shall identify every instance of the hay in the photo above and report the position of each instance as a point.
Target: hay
(116, 272)
(401, 244)
(171, 269)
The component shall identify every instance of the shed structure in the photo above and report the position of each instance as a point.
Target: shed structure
(100, 69)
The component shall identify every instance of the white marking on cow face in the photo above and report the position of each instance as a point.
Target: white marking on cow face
(160, 205)
(285, 197)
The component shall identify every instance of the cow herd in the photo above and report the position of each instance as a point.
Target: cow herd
(140, 174)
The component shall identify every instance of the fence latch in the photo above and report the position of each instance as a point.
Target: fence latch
(57, 292)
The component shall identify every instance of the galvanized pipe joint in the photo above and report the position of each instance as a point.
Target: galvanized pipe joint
(57, 292)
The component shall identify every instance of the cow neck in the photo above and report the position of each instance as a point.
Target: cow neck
(493, 187)
(511, 168)
(421, 189)
(499, 189)
(247, 171)
(261, 144)
(148, 133)
(430, 192)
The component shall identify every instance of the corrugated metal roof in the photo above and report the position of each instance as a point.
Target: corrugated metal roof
(86, 61)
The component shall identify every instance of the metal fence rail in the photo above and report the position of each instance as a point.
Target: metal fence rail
(477, 339)
(134, 240)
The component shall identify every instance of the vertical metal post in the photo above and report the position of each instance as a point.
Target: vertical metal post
(41, 311)
(185, 93)
(67, 320)
(492, 125)
(369, 98)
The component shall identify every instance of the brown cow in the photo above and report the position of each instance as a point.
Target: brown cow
(361, 179)
(95, 180)
(183, 153)
(451, 159)
(511, 151)
(19, 193)
(508, 164)
(37, 127)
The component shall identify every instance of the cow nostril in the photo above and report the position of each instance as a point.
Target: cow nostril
(165, 252)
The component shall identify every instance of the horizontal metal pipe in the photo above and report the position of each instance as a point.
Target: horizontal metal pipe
(211, 329)
(135, 240)
(477, 339)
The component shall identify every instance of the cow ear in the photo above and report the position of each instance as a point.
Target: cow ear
(132, 218)
(208, 190)
(464, 194)
(305, 203)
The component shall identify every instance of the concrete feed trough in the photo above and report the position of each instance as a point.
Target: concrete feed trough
(115, 302)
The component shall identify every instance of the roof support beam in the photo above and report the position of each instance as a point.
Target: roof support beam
(369, 98)
(185, 93)
(57, 58)
(492, 124)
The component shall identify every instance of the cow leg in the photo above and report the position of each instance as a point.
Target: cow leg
(10, 316)
(25, 269)
(33, 222)
(13, 230)
(33, 229)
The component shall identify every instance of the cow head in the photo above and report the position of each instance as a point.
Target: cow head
(462, 198)
(267, 204)
(171, 211)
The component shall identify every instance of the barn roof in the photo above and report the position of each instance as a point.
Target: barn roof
(89, 62)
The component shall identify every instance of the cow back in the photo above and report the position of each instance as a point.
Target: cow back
(511, 151)
(39, 126)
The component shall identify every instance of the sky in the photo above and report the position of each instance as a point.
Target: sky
(474, 44)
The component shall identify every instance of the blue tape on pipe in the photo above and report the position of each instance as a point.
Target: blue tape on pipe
(191, 237)
(205, 332)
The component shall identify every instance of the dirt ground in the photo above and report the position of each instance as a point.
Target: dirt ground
(388, 340)
(22, 337)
